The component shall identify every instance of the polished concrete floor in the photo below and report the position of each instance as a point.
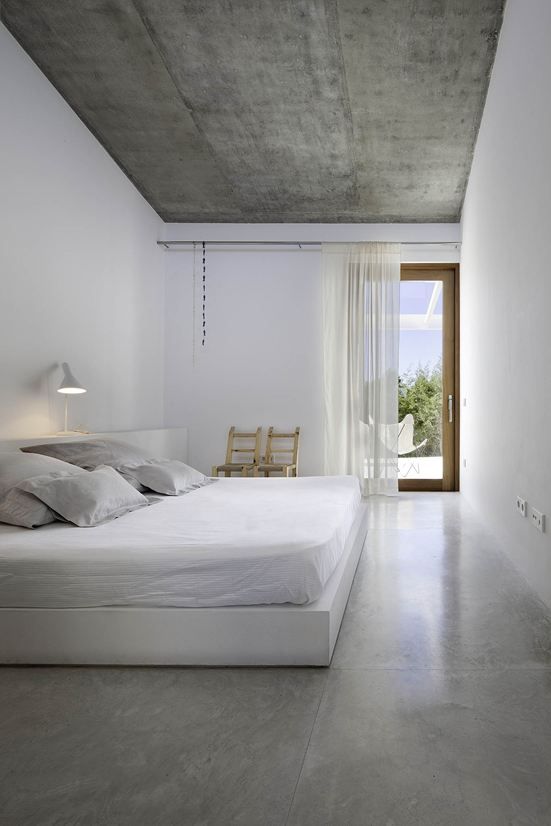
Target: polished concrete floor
(436, 709)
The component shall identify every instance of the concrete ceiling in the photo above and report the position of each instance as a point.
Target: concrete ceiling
(296, 110)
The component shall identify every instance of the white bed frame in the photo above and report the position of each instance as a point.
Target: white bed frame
(237, 635)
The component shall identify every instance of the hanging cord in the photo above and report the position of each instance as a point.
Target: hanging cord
(204, 295)
(194, 301)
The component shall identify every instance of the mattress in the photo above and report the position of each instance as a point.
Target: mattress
(233, 542)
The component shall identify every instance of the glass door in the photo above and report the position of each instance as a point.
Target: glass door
(427, 391)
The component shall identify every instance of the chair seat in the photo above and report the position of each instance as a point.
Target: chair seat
(234, 466)
(280, 468)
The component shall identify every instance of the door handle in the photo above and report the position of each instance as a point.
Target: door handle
(450, 408)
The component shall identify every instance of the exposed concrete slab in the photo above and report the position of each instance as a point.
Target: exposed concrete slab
(335, 111)
(417, 75)
(101, 58)
(268, 94)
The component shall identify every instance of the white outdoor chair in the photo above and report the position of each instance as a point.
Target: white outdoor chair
(398, 438)
(405, 440)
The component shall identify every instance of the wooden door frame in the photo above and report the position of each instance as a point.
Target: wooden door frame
(437, 484)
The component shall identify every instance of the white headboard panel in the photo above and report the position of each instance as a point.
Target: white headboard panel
(168, 443)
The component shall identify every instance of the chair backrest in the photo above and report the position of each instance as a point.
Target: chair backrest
(282, 443)
(245, 446)
(405, 434)
(396, 438)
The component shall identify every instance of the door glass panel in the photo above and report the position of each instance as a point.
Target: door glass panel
(420, 380)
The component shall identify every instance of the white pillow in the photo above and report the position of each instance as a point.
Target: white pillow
(18, 507)
(88, 499)
(168, 476)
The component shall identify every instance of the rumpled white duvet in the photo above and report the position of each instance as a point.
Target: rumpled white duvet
(234, 542)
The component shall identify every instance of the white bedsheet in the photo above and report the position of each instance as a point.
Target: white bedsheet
(234, 542)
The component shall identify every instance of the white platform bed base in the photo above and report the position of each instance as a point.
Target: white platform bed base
(222, 636)
(239, 635)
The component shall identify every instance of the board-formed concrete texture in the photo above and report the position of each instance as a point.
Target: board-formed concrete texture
(295, 111)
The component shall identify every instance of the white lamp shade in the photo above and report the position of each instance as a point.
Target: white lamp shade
(69, 384)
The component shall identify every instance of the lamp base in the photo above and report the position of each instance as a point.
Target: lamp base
(72, 433)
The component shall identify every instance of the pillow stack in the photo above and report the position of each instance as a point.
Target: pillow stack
(86, 482)
(18, 506)
(36, 490)
(167, 476)
(90, 454)
(89, 498)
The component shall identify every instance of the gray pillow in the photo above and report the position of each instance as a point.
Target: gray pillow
(87, 499)
(18, 507)
(91, 453)
(167, 476)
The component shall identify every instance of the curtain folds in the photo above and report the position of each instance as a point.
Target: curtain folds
(361, 298)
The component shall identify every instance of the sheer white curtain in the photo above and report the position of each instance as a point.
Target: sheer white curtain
(361, 321)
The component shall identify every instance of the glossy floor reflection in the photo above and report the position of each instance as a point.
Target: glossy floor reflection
(436, 710)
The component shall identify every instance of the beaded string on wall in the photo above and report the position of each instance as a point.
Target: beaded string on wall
(203, 297)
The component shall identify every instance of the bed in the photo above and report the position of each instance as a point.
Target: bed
(239, 572)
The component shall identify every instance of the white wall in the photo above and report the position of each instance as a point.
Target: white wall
(506, 295)
(262, 363)
(81, 279)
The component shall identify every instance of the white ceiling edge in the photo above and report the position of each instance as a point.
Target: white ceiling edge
(404, 233)
(421, 243)
(431, 253)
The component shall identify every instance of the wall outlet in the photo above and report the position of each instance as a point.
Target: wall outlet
(538, 519)
(521, 506)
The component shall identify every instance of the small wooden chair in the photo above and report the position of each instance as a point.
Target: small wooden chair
(268, 466)
(252, 449)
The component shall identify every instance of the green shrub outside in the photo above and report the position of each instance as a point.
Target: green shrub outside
(420, 393)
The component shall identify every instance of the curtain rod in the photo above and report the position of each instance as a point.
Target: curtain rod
(168, 244)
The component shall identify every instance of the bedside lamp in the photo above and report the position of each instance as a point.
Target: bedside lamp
(69, 387)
